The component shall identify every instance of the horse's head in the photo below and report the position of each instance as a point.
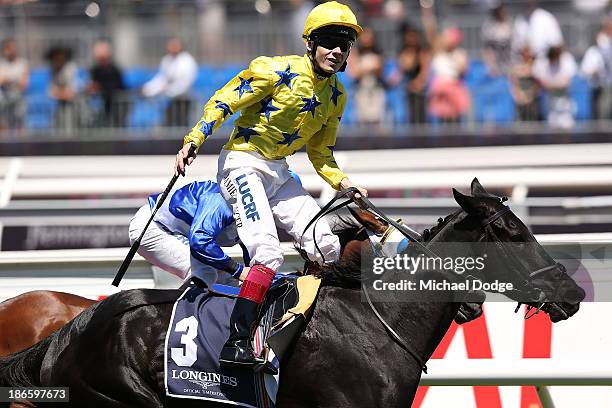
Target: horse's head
(514, 255)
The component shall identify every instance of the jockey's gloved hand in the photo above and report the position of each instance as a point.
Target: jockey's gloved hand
(347, 183)
(184, 157)
(236, 269)
(243, 274)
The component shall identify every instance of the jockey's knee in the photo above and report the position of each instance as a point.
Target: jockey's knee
(270, 256)
(332, 248)
(138, 222)
(328, 244)
(135, 229)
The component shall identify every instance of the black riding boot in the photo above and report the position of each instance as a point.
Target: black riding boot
(243, 322)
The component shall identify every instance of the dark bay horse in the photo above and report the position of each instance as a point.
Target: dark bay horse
(112, 354)
(30, 317)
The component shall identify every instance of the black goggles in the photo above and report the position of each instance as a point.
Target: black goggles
(331, 42)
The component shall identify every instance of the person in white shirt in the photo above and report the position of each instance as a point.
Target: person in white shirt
(14, 79)
(177, 73)
(539, 30)
(597, 68)
(496, 34)
(554, 73)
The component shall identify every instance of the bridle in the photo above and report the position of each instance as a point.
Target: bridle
(530, 276)
(414, 238)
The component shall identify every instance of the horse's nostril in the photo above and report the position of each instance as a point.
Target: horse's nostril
(575, 295)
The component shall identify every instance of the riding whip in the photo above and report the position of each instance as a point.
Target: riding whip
(128, 259)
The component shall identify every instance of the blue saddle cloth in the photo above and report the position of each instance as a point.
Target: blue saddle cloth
(198, 329)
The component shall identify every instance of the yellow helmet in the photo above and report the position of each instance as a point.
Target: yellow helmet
(330, 13)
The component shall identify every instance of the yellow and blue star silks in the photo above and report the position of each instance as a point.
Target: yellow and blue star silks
(283, 106)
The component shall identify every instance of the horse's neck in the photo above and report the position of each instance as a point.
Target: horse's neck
(447, 231)
(430, 233)
(342, 312)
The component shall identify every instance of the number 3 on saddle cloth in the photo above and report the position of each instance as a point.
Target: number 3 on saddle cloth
(199, 327)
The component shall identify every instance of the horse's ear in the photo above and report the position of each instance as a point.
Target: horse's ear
(368, 220)
(478, 190)
(468, 203)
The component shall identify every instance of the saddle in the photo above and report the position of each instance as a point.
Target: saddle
(199, 326)
(283, 312)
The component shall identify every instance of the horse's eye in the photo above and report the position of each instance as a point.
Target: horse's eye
(517, 238)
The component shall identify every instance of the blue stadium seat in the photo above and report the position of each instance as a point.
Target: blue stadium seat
(147, 113)
(39, 81)
(40, 110)
(40, 107)
(476, 73)
(204, 81)
(223, 74)
(137, 77)
(581, 91)
(492, 101)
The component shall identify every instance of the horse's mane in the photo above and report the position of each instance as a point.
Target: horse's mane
(429, 233)
(345, 229)
(347, 273)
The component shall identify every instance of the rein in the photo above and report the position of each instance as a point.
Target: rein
(414, 237)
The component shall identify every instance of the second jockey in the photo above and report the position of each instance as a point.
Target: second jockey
(187, 233)
(285, 103)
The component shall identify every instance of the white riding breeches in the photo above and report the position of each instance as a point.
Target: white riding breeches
(263, 195)
(167, 250)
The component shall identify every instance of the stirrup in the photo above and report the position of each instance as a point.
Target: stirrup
(237, 355)
(267, 368)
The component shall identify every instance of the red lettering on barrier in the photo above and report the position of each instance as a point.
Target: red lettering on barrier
(438, 353)
(536, 344)
(478, 345)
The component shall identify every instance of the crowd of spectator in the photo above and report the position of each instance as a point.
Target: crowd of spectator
(526, 50)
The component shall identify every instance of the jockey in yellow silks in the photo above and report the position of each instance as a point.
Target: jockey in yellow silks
(285, 103)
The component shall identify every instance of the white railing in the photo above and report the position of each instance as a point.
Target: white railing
(30, 186)
(509, 167)
(536, 371)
